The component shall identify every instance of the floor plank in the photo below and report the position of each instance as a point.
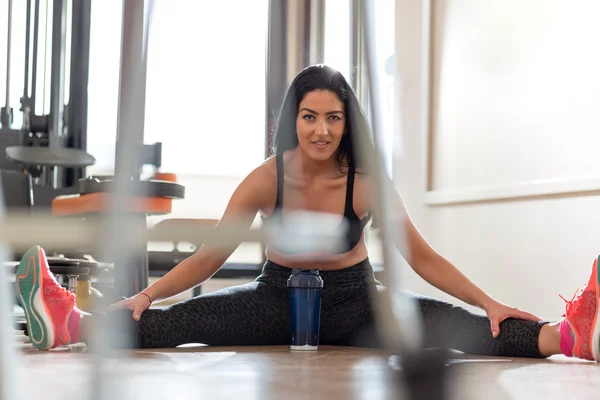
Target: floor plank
(275, 372)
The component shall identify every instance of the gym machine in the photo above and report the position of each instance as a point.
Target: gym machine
(45, 158)
(58, 136)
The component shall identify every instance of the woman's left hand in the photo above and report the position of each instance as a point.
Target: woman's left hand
(498, 312)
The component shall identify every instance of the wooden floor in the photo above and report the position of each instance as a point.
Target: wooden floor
(199, 372)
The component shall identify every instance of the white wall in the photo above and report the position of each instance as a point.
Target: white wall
(522, 251)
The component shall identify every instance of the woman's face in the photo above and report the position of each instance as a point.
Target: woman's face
(320, 124)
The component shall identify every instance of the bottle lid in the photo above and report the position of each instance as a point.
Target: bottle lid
(305, 279)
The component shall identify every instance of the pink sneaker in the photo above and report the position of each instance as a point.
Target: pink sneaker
(47, 305)
(583, 318)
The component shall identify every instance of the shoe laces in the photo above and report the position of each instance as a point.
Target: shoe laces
(572, 306)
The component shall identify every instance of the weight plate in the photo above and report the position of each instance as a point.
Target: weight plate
(69, 270)
(46, 156)
(62, 261)
(137, 188)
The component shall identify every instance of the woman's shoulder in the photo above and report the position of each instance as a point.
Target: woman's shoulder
(263, 172)
(262, 180)
(268, 168)
(258, 187)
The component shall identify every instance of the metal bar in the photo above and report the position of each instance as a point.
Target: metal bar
(130, 138)
(397, 315)
(45, 97)
(27, 49)
(9, 362)
(57, 84)
(130, 116)
(357, 53)
(34, 55)
(53, 232)
(297, 31)
(317, 32)
(8, 57)
(276, 66)
(355, 39)
(78, 82)
(124, 236)
(316, 48)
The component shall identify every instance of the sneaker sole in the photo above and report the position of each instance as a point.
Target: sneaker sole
(596, 323)
(30, 287)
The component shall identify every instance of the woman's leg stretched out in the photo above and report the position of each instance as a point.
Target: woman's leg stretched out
(253, 314)
(456, 328)
(444, 325)
(258, 313)
(577, 335)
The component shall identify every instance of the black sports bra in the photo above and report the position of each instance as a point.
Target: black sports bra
(355, 224)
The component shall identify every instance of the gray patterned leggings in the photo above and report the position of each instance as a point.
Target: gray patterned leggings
(258, 313)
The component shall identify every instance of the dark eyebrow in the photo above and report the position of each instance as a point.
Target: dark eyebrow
(327, 113)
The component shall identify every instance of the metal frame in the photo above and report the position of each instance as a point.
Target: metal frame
(59, 128)
(77, 108)
(397, 315)
(124, 238)
(57, 86)
(131, 269)
(358, 73)
(9, 359)
(6, 117)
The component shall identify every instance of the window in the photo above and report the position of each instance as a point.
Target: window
(337, 36)
(205, 95)
(17, 59)
(205, 89)
(103, 84)
(17, 43)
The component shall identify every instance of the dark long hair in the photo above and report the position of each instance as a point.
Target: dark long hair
(322, 77)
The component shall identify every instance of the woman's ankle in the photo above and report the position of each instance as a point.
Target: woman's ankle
(79, 325)
(567, 340)
(74, 325)
(549, 340)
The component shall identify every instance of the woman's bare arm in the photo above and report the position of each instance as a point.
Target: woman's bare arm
(196, 269)
(426, 262)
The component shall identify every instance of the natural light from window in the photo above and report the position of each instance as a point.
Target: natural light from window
(205, 98)
(205, 90)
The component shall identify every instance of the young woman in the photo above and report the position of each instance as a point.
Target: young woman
(316, 167)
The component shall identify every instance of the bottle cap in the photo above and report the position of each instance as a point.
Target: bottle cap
(305, 279)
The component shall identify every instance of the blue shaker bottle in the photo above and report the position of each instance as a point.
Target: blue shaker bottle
(305, 296)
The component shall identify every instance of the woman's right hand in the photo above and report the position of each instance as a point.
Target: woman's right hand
(138, 304)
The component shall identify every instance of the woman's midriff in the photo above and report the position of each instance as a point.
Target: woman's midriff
(323, 262)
